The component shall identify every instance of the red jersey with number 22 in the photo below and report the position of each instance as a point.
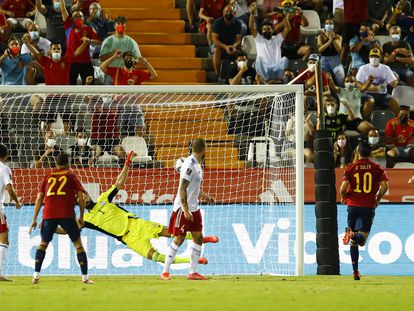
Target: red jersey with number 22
(60, 188)
(364, 178)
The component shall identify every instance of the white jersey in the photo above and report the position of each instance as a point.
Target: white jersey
(5, 179)
(191, 171)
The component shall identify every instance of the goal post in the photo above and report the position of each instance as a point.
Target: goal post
(254, 167)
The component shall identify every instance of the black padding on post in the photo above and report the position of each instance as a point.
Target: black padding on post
(326, 225)
(325, 176)
(327, 270)
(325, 193)
(327, 256)
(326, 240)
(326, 209)
(324, 160)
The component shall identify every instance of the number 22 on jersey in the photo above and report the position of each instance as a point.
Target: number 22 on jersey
(366, 182)
(59, 183)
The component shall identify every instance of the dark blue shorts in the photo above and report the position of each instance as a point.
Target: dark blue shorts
(68, 224)
(360, 218)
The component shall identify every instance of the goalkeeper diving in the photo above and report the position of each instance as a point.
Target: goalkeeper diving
(113, 220)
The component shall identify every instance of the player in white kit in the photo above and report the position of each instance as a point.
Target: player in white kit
(186, 215)
(5, 185)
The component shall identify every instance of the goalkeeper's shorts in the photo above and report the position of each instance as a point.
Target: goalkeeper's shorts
(139, 233)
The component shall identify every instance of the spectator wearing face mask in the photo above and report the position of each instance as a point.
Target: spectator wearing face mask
(242, 73)
(210, 10)
(378, 154)
(398, 55)
(19, 12)
(383, 76)
(34, 70)
(78, 36)
(46, 154)
(270, 64)
(81, 153)
(329, 46)
(342, 151)
(352, 94)
(102, 24)
(399, 135)
(14, 64)
(288, 75)
(128, 74)
(55, 31)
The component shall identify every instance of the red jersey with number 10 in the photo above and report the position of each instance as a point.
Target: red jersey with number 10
(364, 178)
(60, 188)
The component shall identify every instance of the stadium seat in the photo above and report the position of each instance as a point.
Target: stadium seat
(314, 27)
(404, 94)
(261, 149)
(380, 118)
(65, 142)
(249, 47)
(139, 146)
(40, 20)
(404, 165)
(383, 39)
(108, 160)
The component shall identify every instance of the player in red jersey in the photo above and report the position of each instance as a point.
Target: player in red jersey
(58, 192)
(359, 191)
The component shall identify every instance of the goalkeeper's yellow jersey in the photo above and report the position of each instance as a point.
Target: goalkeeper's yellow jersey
(107, 216)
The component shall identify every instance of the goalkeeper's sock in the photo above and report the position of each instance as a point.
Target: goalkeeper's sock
(170, 256)
(354, 257)
(158, 257)
(40, 256)
(194, 258)
(3, 253)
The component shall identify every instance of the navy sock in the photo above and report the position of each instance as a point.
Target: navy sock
(358, 238)
(83, 262)
(40, 256)
(354, 257)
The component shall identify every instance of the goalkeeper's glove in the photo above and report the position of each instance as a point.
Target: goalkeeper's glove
(129, 158)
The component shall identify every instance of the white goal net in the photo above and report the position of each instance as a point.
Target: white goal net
(253, 168)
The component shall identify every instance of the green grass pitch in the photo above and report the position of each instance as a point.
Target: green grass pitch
(135, 293)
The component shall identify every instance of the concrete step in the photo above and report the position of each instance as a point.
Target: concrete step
(160, 4)
(163, 26)
(146, 14)
(168, 38)
(181, 76)
(176, 63)
(170, 51)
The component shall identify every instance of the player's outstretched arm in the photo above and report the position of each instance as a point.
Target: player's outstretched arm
(120, 182)
(382, 191)
(38, 205)
(13, 195)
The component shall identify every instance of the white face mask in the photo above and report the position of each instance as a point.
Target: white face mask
(56, 6)
(56, 56)
(106, 99)
(349, 85)
(242, 64)
(311, 67)
(373, 140)
(341, 142)
(50, 142)
(34, 35)
(329, 27)
(82, 142)
(374, 61)
(331, 110)
(395, 37)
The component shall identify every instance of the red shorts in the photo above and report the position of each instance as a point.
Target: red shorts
(179, 226)
(3, 223)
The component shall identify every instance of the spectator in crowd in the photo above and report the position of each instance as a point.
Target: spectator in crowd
(81, 153)
(398, 55)
(342, 151)
(309, 81)
(118, 41)
(352, 94)
(383, 76)
(128, 75)
(102, 24)
(242, 13)
(400, 11)
(55, 31)
(34, 70)
(242, 72)
(78, 36)
(377, 11)
(399, 136)
(355, 13)
(315, 5)
(292, 48)
(226, 37)
(6, 28)
(406, 22)
(14, 64)
(190, 6)
(82, 5)
(329, 46)
(288, 75)
(270, 64)
(378, 154)
(338, 13)
(19, 12)
(361, 45)
(45, 155)
(210, 10)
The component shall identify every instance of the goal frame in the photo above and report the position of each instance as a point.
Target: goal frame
(191, 89)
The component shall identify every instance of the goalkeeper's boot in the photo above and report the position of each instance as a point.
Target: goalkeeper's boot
(196, 277)
(4, 279)
(203, 261)
(357, 275)
(165, 276)
(35, 280)
(349, 234)
(211, 239)
(87, 281)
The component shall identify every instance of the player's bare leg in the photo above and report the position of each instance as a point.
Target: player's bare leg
(4, 246)
(82, 260)
(171, 253)
(154, 255)
(195, 256)
(206, 239)
(40, 256)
